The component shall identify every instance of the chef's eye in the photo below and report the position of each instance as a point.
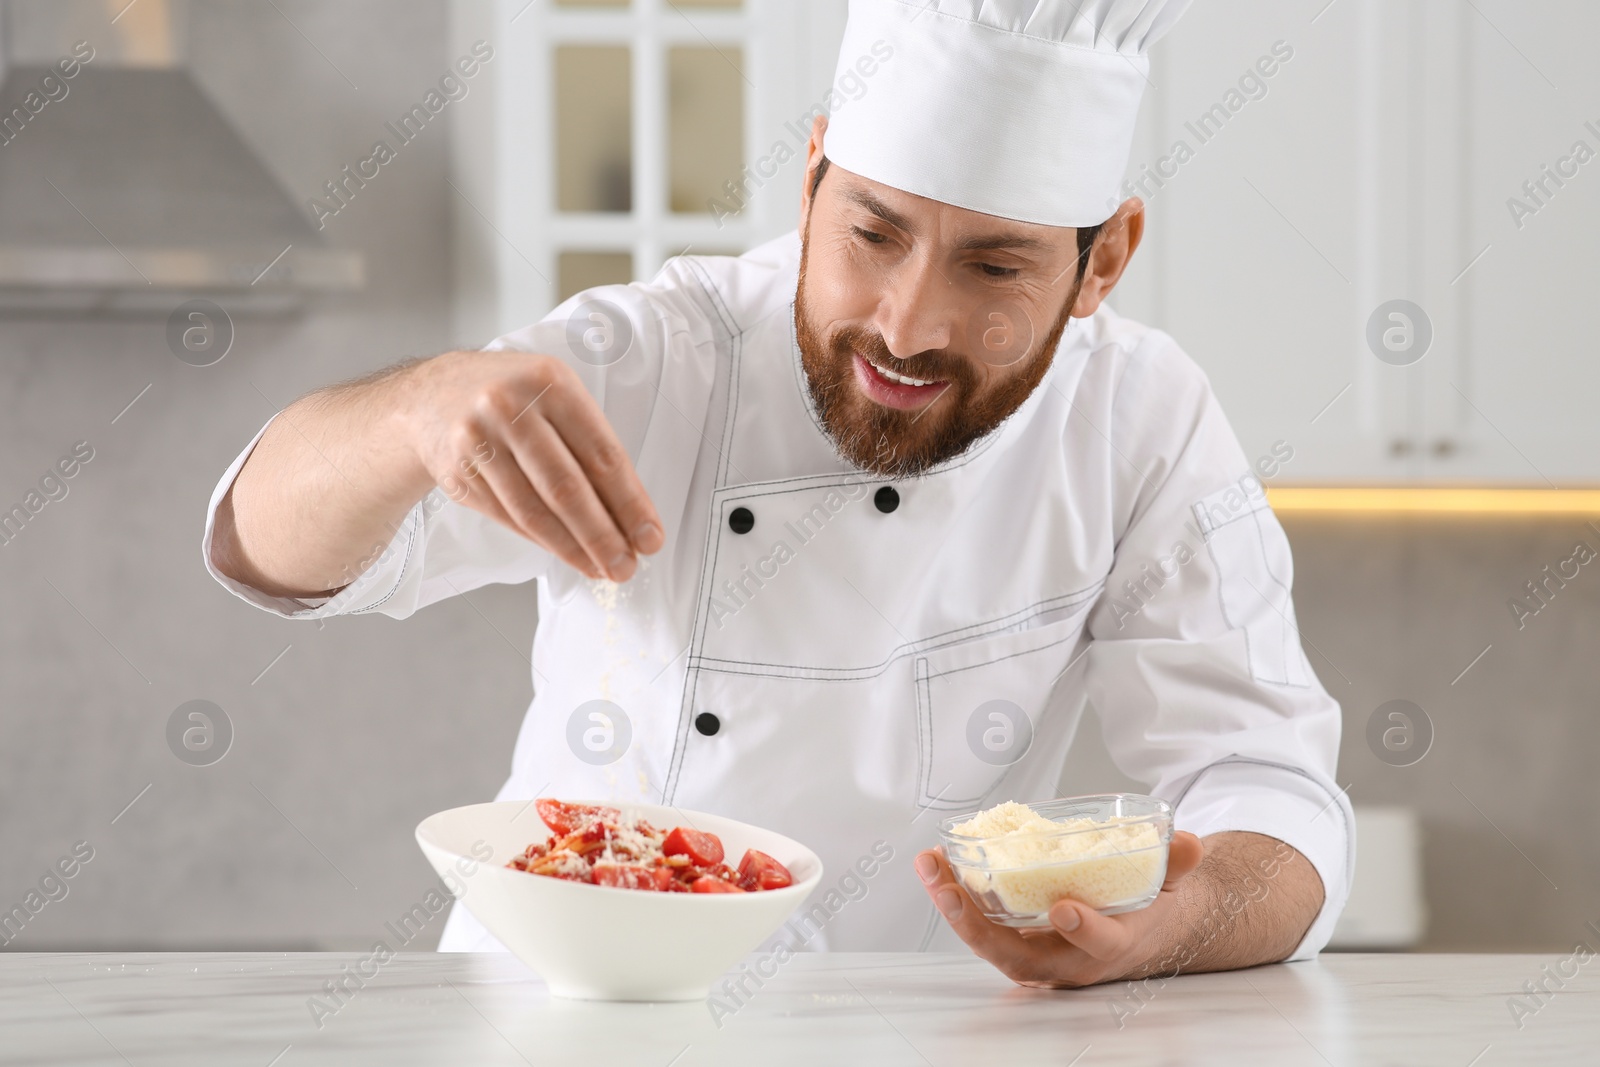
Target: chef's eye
(994, 271)
(869, 236)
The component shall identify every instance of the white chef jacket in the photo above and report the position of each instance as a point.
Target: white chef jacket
(1108, 541)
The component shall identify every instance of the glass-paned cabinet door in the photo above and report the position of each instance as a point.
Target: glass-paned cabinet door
(577, 270)
(621, 133)
(705, 127)
(594, 124)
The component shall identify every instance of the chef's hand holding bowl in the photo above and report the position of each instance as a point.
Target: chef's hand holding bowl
(1073, 943)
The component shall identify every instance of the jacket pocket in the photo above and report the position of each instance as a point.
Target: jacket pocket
(978, 708)
(1254, 574)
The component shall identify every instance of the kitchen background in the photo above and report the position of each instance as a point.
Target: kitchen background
(1382, 159)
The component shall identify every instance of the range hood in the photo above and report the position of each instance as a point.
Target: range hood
(133, 192)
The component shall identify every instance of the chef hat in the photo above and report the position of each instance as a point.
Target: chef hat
(1018, 108)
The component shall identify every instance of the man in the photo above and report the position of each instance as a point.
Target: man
(887, 499)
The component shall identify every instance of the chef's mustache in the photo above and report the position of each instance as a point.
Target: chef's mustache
(932, 365)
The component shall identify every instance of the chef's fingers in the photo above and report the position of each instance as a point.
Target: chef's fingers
(502, 491)
(1183, 856)
(1103, 937)
(565, 489)
(986, 938)
(1028, 960)
(1109, 938)
(592, 441)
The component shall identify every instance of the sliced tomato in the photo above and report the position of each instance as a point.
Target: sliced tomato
(720, 870)
(703, 850)
(760, 871)
(708, 884)
(563, 818)
(625, 876)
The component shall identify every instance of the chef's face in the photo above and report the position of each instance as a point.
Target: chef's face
(923, 326)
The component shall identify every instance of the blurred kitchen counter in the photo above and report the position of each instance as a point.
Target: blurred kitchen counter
(260, 1010)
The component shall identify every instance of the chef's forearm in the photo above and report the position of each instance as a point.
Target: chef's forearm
(1251, 901)
(323, 492)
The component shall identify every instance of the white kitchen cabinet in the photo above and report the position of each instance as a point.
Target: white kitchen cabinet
(660, 89)
(1374, 165)
(1533, 373)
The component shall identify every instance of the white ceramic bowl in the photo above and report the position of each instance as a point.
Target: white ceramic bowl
(599, 943)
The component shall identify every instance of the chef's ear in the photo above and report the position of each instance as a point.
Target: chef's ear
(1115, 245)
(814, 159)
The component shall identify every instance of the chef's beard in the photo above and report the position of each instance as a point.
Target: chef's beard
(900, 444)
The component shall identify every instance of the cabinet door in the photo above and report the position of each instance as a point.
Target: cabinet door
(1258, 248)
(1532, 118)
(620, 133)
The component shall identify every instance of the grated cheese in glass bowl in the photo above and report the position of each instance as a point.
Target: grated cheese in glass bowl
(1016, 860)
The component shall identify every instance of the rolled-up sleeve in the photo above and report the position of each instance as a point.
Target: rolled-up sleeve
(1197, 670)
(442, 549)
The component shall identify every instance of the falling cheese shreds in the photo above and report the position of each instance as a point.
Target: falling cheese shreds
(1032, 862)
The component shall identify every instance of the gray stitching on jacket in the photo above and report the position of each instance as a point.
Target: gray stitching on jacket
(411, 538)
(989, 628)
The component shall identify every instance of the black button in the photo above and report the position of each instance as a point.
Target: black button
(742, 520)
(706, 722)
(886, 499)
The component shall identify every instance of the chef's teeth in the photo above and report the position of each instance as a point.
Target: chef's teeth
(901, 378)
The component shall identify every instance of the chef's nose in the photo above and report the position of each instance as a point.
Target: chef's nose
(915, 312)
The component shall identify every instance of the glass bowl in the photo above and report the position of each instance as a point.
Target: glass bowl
(1110, 853)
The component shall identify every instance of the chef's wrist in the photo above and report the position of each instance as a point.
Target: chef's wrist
(1182, 941)
(408, 404)
(1250, 902)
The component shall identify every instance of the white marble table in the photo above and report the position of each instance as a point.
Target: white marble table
(877, 1009)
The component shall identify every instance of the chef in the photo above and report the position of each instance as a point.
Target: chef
(840, 537)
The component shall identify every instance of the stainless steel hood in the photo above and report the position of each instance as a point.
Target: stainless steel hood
(133, 192)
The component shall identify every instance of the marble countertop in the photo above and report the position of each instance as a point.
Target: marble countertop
(257, 1010)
